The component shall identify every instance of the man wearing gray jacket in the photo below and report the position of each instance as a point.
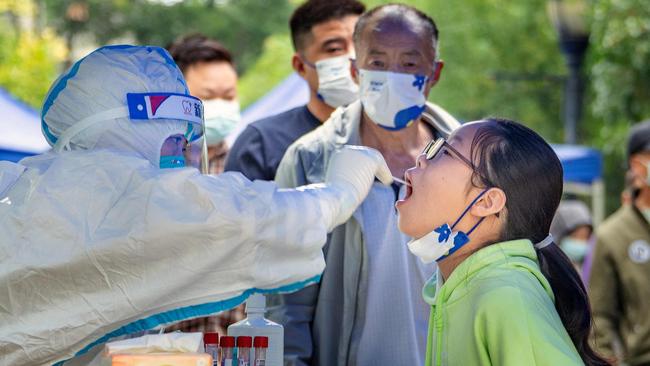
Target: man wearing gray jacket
(368, 307)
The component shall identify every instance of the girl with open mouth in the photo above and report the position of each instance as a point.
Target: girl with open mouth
(481, 205)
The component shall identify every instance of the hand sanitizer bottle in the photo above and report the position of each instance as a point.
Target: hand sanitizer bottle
(256, 325)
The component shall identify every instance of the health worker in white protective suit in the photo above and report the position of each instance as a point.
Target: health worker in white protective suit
(111, 232)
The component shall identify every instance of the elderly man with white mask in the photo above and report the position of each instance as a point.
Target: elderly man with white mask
(337, 321)
(114, 232)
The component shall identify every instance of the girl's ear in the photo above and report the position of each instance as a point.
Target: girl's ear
(492, 203)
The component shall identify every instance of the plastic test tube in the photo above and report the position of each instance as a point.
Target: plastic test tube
(244, 344)
(261, 345)
(211, 343)
(227, 345)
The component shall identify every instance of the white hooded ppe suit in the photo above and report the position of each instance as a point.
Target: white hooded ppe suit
(99, 242)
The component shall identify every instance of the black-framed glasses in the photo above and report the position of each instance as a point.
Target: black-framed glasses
(435, 146)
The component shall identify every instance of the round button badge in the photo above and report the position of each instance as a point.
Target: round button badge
(639, 251)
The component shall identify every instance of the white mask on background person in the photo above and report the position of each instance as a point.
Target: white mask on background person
(335, 85)
(392, 100)
(221, 118)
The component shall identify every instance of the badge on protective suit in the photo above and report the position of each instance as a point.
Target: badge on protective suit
(639, 251)
(147, 106)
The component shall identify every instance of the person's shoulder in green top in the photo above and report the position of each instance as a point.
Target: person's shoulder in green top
(497, 308)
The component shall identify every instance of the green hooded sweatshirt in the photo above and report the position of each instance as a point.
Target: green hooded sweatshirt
(496, 308)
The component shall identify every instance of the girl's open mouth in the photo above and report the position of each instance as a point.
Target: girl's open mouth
(409, 189)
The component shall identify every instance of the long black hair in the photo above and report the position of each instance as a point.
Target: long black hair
(517, 160)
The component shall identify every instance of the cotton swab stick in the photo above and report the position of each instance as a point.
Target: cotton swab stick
(401, 181)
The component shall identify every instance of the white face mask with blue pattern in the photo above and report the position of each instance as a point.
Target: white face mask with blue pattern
(443, 241)
(392, 100)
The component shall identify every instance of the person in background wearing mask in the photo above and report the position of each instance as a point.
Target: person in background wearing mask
(348, 318)
(321, 32)
(620, 278)
(210, 73)
(572, 228)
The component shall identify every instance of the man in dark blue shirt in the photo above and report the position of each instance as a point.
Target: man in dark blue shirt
(321, 32)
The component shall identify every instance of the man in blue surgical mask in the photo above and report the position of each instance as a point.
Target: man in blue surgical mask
(372, 285)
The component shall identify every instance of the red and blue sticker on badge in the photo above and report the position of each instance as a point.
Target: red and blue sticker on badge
(147, 106)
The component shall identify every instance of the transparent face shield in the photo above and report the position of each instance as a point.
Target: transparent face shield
(180, 150)
(188, 149)
(185, 151)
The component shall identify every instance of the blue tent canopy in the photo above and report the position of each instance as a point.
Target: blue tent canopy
(581, 164)
(20, 129)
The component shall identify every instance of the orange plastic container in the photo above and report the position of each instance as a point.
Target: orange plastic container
(162, 359)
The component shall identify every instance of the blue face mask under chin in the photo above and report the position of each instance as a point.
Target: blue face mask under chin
(173, 161)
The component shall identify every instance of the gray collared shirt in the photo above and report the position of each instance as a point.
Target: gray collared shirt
(394, 330)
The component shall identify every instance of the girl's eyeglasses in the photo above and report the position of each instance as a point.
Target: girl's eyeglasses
(435, 146)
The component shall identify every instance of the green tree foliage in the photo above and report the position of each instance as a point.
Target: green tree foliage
(620, 82)
(241, 25)
(500, 59)
(621, 72)
(273, 65)
(29, 58)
